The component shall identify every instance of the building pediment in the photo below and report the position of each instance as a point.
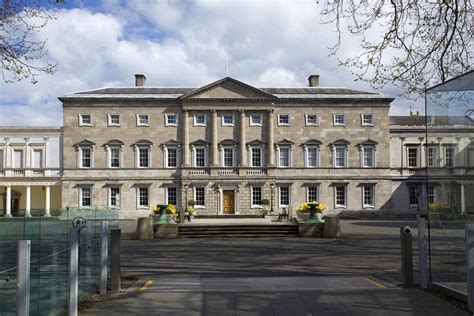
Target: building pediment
(199, 143)
(228, 142)
(256, 143)
(312, 142)
(84, 143)
(171, 143)
(227, 88)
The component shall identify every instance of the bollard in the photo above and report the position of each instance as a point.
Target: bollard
(23, 278)
(470, 265)
(103, 256)
(73, 271)
(407, 256)
(422, 260)
(115, 260)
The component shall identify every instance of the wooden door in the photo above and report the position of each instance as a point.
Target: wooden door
(228, 202)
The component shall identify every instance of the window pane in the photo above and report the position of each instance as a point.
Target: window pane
(86, 199)
(413, 191)
(200, 119)
(172, 196)
(1, 158)
(368, 157)
(369, 195)
(340, 156)
(449, 156)
(367, 119)
(172, 119)
(284, 119)
(431, 194)
(256, 119)
(228, 157)
(143, 119)
(114, 157)
(312, 119)
(431, 156)
(340, 196)
(256, 196)
(143, 197)
(200, 157)
(339, 119)
(37, 158)
(256, 157)
(284, 196)
(86, 157)
(200, 196)
(312, 194)
(228, 119)
(115, 197)
(85, 119)
(284, 157)
(115, 119)
(144, 159)
(412, 157)
(172, 157)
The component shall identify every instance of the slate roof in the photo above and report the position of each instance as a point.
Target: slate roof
(432, 121)
(407, 120)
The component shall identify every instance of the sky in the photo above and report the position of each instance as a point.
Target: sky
(104, 43)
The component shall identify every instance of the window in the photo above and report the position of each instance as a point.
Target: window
(18, 158)
(312, 194)
(86, 157)
(114, 158)
(114, 197)
(340, 156)
(228, 158)
(172, 157)
(340, 196)
(449, 157)
(312, 156)
(284, 157)
(284, 196)
(431, 156)
(200, 158)
(256, 196)
(368, 196)
(414, 193)
(172, 196)
(256, 120)
(367, 120)
(311, 119)
(412, 156)
(1, 159)
(143, 197)
(171, 119)
(431, 194)
(339, 119)
(256, 157)
(200, 120)
(114, 119)
(85, 120)
(368, 157)
(228, 120)
(143, 120)
(199, 196)
(143, 157)
(283, 120)
(85, 197)
(37, 159)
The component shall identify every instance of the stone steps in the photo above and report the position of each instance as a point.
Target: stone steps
(249, 231)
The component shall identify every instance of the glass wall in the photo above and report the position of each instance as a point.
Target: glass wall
(450, 183)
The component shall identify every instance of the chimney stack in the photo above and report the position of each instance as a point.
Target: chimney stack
(313, 80)
(139, 80)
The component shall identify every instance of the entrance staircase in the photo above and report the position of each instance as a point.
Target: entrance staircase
(237, 230)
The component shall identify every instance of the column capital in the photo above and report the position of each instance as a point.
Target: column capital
(27, 139)
(7, 139)
(46, 139)
(242, 111)
(213, 111)
(185, 111)
(270, 111)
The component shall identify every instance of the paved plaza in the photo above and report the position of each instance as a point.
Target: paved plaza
(356, 275)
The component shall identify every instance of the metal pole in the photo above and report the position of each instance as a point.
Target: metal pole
(470, 265)
(103, 256)
(115, 260)
(73, 271)
(407, 256)
(422, 260)
(23, 278)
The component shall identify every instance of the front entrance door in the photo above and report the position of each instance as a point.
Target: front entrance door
(228, 202)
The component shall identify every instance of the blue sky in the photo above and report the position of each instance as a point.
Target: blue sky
(182, 43)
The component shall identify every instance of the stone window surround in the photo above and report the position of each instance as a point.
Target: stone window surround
(252, 123)
(206, 156)
(80, 118)
(195, 123)
(234, 156)
(364, 187)
(340, 144)
(283, 114)
(227, 114)
(178, 156)
(334, 119)
(139, 124)
(142, 144)
(362, 116)
(80, 149)
(306, 155)
(290, 155)
(311, 124)
(171, 124)
(418, 156)
(109, 120)
(262, 155)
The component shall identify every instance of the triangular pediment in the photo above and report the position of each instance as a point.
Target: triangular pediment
(228, 88)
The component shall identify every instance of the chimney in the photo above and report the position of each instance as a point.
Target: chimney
(313, 80)
(139, 80)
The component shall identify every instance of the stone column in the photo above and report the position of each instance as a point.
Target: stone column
(28, 201)
(463, 200)
(185, 138)
(214, 149)
(271, 152)
(220, 209)
(402, 152)
(8, 154)
(47, 210)
(28, 156)
(8, 206)
(422, 152)
(242, 139)
(46, 153)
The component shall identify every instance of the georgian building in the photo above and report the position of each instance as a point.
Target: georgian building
(227, 146)
(30, 170)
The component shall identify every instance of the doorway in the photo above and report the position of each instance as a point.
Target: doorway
(228, 197)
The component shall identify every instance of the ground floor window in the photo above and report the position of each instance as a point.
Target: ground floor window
(256, 196)
(340, 196)
(414, 192)
(284, 196)
(86, 197)
(431, 194)
(143, 197)
(172, 196)
(368, 192)
(114, 197)
(311, 194)
(199, 196)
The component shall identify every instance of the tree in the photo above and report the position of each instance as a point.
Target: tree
(21, 52)
(422, 42)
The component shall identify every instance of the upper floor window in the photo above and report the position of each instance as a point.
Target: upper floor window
(449, 155)
(431, 156)
(367, 120)
(283, 120)
(114, 119)
(85, 120)
(256, 157)
(86, 157)
(228, 119)
(339, 119)
(199, 119)
(311, 119)
(284, 157)
(412, 153)
(142, 150)
(144, 158)
(143, 120)
(256, 196)
(114, 161)
(172, 157)
(171, 119)
(340, 156)
(18, 158)
(2, 161)
(256, 119)
(37, 159)
(368, 156)
(228, 157)
(200, 157)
